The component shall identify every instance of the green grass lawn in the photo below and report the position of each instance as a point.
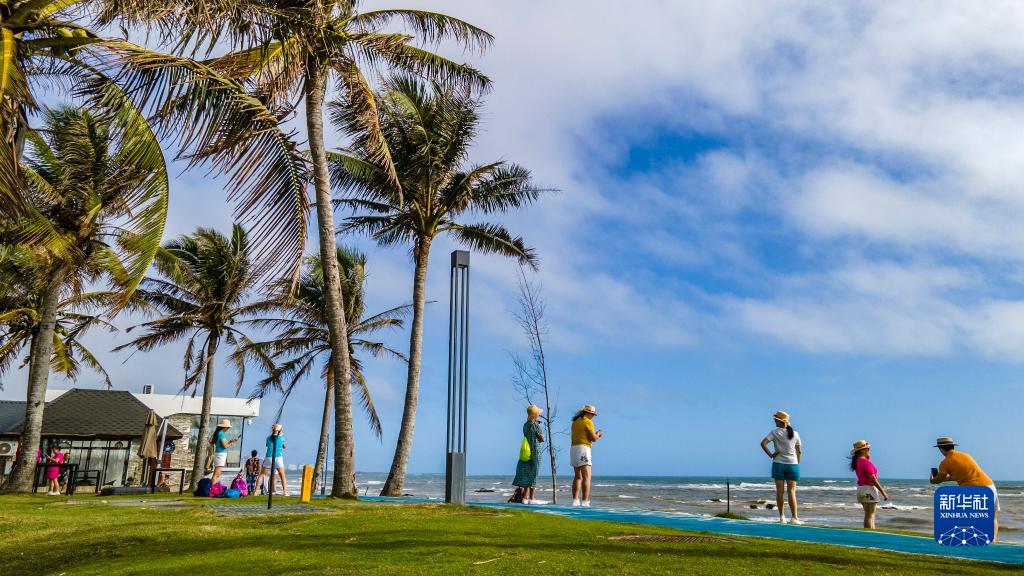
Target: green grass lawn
(47, 535)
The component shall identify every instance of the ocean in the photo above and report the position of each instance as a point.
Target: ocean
(825, 501)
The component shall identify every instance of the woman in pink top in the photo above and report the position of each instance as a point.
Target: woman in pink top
(53, 472)
(869, 490)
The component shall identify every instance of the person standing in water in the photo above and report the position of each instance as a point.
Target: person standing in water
(526, 470)
(869, 490)
(583, 437)
(961, 468)
(785, 464)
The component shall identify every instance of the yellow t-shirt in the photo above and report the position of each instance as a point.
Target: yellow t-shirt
(962, 468)
(579, 431)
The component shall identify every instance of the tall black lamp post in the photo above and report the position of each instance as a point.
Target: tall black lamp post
(458, 379)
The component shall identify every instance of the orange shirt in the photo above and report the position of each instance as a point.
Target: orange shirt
(579, 431)
(964, 470)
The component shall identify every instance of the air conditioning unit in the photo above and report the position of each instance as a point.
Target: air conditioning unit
(8, 448)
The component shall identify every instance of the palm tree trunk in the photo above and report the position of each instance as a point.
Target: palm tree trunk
(396, 477)
(344, 482)
(38, 374)
(325, 427)
(202, 445)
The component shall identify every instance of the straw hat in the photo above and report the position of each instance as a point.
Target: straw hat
(589, 409)
(277, 426)
(225, 423)
(781, 417)
(533, 410)
(859, 445)
(944, 442)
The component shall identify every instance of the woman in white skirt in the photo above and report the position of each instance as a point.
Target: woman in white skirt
(869, 490)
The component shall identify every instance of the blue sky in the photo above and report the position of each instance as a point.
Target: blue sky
(770, 205)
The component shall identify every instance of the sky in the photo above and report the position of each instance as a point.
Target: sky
(765, 205)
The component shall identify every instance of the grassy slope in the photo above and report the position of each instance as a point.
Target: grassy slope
(41, 535)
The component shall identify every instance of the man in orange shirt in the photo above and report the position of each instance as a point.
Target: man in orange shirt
(959, 467)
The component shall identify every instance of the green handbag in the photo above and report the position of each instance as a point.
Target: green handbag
(524, 450)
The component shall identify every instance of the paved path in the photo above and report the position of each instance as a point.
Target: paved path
(1005, 553)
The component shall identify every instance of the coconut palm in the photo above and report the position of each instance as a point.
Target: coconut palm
(45, 49)
(302, 339)
(428, 129)
(20, 304)
(291, 49)
(99, 191)
(201, 295)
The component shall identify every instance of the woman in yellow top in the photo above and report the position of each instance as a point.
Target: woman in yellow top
(961, 468)
(583, 436)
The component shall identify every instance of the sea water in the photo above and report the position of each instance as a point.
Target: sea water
(825, 501)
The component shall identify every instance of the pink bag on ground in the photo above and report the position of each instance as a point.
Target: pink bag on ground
(239, 484)
(217, 490)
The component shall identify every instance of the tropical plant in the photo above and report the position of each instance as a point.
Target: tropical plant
(428, 129)
(20, 306)
(301, 340)
(45, 49)
(291, 49)
(201, 295)
(99, 193)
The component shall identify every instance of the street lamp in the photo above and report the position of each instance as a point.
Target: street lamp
(458, 379)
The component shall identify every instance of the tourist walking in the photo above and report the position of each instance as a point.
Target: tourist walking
(54, 456)
(526, 470)
(275, 445)
(252, 472)
(960, 467)
(221, 445)
(869, 490)
(785, 457)
(583, 437)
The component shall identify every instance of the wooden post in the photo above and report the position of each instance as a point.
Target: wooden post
(728, 497)
(307, 483)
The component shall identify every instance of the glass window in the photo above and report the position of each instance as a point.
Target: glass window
(237, 427)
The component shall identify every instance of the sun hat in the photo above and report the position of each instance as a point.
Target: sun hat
(944, 441)
(533, 410)
(225, 423)
(781, 416)
(859, 445)
(589, 409)
(276, 426)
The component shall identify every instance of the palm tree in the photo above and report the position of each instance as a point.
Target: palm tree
(20, 305)
(302, 339)
(44, 49)
(98, 192)
(290, 49)
(428, 129)
(201, 292)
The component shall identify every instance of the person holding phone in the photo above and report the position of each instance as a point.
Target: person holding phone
(869, 490)
(960, 467)
(221, 445)
(786, 454)
(583, 438)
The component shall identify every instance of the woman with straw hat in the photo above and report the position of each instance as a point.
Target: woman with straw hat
(527, 469)
(869, 490)
(274, 460)
(221, 445)
(785, 456)
(583, 437)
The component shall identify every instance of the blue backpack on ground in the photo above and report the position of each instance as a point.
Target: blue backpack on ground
(203, 488)
(233, 493)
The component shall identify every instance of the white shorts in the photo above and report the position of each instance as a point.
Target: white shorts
(868, 495)
(220, 459)
(279, 461)
(995, 495)
(580, 456)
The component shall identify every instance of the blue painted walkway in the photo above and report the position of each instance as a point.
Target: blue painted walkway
(1005, 553)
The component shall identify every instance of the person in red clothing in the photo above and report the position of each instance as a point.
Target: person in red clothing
(869, 490)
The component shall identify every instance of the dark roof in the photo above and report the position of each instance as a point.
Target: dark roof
(82, 412)
(12, 413)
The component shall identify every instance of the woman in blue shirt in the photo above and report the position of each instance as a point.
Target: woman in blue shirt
(221, 444)
(275, 445)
